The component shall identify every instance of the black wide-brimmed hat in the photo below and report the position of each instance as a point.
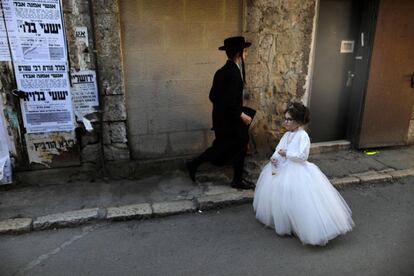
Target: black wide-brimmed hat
(235, 43)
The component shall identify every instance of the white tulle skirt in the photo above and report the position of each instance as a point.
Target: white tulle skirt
(300, 199)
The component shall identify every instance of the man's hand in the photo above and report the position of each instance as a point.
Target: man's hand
(282, 152)
(245, 118)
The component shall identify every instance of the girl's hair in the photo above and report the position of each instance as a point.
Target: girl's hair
(299, 112)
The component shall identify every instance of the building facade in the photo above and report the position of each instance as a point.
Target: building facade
(154, 63)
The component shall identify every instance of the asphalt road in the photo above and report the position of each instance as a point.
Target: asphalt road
(225, 242)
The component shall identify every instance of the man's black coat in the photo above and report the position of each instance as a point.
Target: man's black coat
(227, 97)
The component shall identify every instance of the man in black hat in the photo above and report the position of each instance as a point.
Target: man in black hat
(230, 123)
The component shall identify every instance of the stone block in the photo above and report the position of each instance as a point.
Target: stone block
(187, 142)
(107, 6)
(202, 64)
(149, 35)
(120, 169)
(75, 6)
(170, 66)
(233, 10)
(137, 122)
(111, 76)
(173, 207)
(200, 117)
(90, 137)
(114, 133)
(91, 153)
(65, 219)
(168, 119)
(114, 108)
(14, 226)
(205, 11)
(148, 145)
(180, 35)
(215, 33)
(129, 211)
(107, 34)
(257, 77)
(130, 10)
(116, 151)
(162, 10)
(253, 19)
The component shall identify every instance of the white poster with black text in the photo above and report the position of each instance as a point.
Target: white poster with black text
(47, 104)
(84, 93)
(35, 29)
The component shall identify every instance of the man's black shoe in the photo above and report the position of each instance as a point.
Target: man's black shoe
(243, 184)
(191, 170)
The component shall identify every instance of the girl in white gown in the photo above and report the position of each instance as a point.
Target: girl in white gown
(295, 197)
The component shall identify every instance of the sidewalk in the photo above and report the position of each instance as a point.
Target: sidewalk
(24, 209)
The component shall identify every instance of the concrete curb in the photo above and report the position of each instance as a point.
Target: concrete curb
(65, 219)
(143, 210)
(15, 226)
(225, 199)
(159, 209)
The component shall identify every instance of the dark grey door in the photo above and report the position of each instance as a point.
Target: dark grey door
(336, 40)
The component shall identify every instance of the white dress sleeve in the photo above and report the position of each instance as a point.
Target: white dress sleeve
(280, 145)
(301, 152)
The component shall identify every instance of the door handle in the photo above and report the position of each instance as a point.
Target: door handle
(349, 80)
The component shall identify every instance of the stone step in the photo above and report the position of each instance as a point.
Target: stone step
(321, 147)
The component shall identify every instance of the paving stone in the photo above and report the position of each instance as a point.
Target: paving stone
(71, 218)
(129, 211)
(18, 225)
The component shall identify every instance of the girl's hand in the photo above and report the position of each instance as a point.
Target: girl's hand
(282, 152)
(274, 161)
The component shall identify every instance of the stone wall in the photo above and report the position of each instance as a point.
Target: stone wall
(281, 33)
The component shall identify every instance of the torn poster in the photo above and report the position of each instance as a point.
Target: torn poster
(82, 47)
(43, 147)
(9, 120)
(11, 28)
(87, 124)
(5, 165)
(4, 44)
(36, 29)
(47, 104)
(84, 93)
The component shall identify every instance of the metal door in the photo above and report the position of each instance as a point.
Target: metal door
(336, 39)
(390, 94)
